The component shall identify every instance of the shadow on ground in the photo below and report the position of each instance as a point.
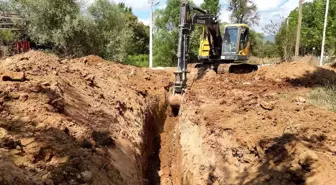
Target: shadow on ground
(321, 77)
(289, 159)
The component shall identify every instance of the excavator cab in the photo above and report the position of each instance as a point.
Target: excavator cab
(236, 44)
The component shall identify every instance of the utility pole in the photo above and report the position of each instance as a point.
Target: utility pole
(285, 45)
(324, 32)
(298, 34)
(152, 4)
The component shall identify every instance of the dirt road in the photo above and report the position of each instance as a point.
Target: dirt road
(89, 121)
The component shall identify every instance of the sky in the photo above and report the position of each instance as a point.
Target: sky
(268, 9)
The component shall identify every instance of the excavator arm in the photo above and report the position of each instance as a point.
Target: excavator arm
(189, 17)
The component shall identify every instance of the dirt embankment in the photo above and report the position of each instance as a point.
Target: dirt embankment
(88, 121)
(77, 121)
(257, 128)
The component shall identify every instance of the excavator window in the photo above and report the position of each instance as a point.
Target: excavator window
(230, 39)
(243, 38)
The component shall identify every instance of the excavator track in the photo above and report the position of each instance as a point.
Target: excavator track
(236, 68)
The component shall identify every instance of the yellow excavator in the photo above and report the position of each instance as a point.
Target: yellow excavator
(227, 52)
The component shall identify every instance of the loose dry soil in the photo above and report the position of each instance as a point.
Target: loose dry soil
(88, 121)
(81, 121)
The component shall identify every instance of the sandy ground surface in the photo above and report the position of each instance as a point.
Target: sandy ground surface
(88, 121)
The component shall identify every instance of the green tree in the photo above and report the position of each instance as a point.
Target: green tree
(256, 43)
(285, 40)
(4, 6)
(5, 35)
(243, 11)
(113, 32)
(56, 23)
(211, 6)
(166, 34)
(106, 29)
(312, 28)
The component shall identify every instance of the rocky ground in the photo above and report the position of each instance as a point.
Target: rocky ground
(88, 121)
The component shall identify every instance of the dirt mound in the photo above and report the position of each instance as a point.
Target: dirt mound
(77, 121)
(88, 121)
(298, 73)
(254, 129)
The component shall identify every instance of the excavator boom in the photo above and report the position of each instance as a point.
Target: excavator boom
(190, 16)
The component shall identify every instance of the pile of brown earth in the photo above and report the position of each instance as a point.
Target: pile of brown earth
(80, 121)
(254, 129)
(88, 121)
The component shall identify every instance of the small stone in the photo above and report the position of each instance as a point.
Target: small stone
(160, 173)
(3, 133)
(24, 97)
(86, 175)
(27, 141)
(41, 126)
(267, 105)
(14, 76)
(15, 151)
(25, 119)
(35, 88)
(300, 100)
(292, 129)
(278, 80)
(132, 73)
(14, 96)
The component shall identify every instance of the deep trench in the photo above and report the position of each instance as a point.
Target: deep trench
(153, 128)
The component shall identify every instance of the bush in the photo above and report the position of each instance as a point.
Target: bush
(7, 37)
(104, 28)
(138, 60)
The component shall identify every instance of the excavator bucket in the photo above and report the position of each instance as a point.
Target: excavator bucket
(175, 101)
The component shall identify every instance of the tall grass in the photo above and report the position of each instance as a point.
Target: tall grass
(324, 97)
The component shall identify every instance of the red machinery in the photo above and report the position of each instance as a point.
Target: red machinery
(20, 47)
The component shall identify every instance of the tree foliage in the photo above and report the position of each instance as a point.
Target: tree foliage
(166, 32)
(260, 48)
(104, 28)
(243, 11)
(211, 6)
(312, 29)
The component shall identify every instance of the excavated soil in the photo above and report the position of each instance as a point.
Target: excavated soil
(80, 121)
(88, 121)
(257, 128)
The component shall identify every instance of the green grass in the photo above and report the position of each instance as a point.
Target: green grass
(324, 97)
